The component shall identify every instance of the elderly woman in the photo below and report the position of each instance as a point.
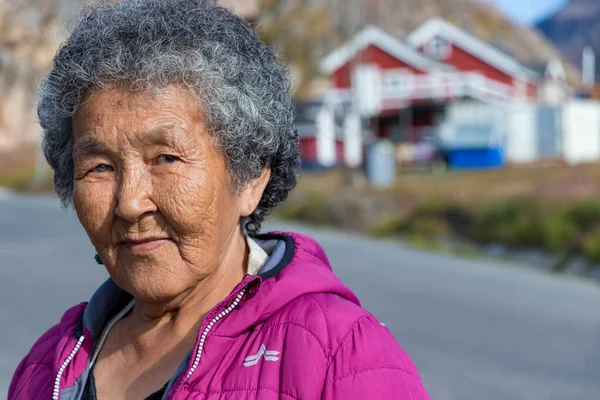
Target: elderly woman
(169, 127)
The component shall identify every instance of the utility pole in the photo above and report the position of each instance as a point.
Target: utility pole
(588, 67)
(355, 23)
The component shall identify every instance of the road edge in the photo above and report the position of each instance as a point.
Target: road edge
(6, 193)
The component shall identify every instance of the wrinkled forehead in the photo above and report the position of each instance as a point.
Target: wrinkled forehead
(163, 117)
(118, 95)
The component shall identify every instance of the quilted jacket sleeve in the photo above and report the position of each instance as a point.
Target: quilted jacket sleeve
(33, 376)
(369, 364)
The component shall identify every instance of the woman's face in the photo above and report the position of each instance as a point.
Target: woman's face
(153, 192)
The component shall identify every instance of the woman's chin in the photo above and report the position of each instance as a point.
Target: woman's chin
(154, 293)
(155, 287)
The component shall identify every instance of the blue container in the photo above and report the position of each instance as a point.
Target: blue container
(476, 158)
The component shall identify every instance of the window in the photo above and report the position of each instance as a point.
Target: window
(397, 82)
(439, 48)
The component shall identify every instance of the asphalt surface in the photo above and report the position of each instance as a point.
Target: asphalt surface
(476, 330)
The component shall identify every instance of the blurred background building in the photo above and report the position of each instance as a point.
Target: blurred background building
(451, 80)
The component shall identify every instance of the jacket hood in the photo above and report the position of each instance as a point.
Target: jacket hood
(304, 269)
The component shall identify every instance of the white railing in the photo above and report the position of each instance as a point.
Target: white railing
(445, 86)
(381, 90)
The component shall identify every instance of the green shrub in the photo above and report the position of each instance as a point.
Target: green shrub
(521, 223)
(288, 211)
(584, 216)
(559, 232)
(515, 223)
(591, 245)
(459, 220)
(426, 220)
(429, 209)
(429, 226)
(425, 243)
(314, 209)
(387, 227)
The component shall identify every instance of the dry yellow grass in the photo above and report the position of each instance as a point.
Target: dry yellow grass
(548, 185)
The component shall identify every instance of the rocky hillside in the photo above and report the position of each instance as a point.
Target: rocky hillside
(573, 28)
(483, 19)
(30, 32)
(27, 42)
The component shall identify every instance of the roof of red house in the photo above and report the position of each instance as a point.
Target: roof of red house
(470, 43)
(372, 35)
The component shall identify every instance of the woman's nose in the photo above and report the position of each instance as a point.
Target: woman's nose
(134, 197)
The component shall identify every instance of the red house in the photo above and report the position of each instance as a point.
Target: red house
(403, 87)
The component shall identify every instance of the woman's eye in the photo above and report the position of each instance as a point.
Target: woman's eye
(101, 168)
(167, 159)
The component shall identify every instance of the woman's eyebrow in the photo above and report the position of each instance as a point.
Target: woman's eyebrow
(158, 135)
(89, 147)
(168, 135)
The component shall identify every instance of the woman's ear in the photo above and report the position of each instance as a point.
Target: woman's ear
(252, 193)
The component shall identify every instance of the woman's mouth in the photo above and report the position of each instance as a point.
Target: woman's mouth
(143, 246)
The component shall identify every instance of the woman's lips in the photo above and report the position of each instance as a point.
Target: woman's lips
(141, 247)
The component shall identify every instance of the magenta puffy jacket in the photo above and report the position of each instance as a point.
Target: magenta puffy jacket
(293, 332)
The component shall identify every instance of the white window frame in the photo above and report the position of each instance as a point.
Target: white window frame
(435, 49)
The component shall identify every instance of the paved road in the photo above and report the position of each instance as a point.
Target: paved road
(477, 331)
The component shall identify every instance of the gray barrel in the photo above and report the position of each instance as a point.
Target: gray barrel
(381, 164)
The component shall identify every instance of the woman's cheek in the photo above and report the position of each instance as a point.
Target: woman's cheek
(93, 202)
(183, 192)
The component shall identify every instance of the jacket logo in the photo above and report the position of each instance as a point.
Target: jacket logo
(268, 355)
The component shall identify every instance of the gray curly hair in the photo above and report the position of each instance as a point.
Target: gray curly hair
(241, 86)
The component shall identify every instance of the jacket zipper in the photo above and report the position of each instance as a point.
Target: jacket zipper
(64, 366)
(222, 314)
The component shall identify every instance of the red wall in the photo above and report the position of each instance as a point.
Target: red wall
(464, 61)
(374, 55)
(532, 91)
(339, 151)
(308, 150)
